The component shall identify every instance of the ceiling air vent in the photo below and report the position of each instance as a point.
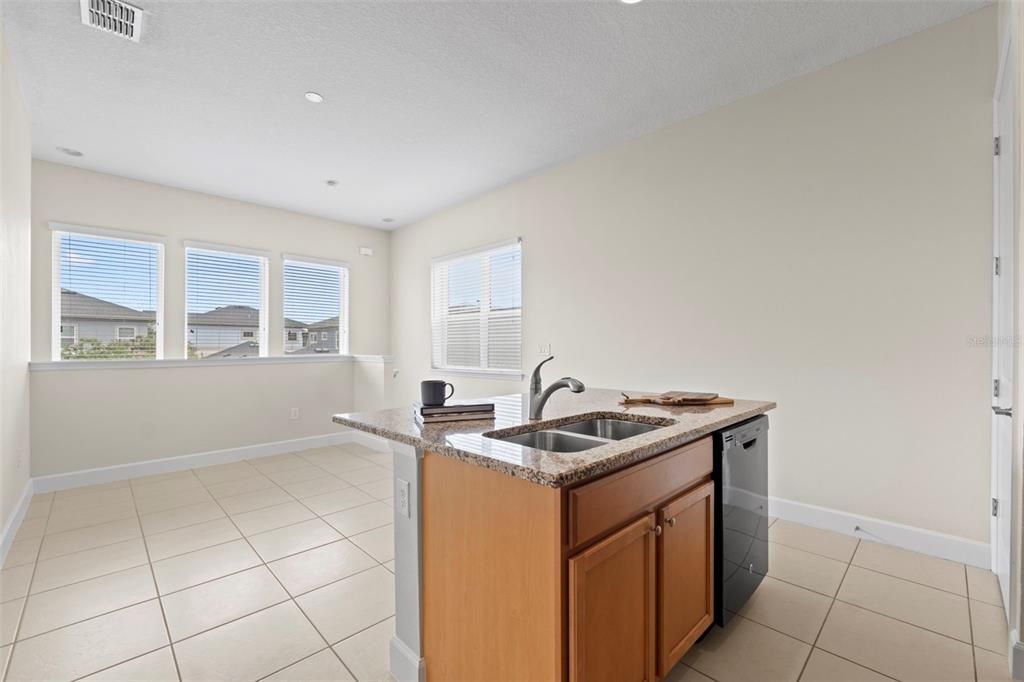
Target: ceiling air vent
(113, 16)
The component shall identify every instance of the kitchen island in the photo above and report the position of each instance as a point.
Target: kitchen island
(518, 563)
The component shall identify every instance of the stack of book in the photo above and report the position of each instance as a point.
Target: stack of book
(454, 411)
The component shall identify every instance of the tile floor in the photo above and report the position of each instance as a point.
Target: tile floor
(280, 569)
(837, 609)
(277, 568)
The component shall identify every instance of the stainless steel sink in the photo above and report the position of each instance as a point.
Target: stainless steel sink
(577, 436)
(553, 441)
(611, 429)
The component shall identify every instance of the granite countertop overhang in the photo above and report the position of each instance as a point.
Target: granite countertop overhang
(467, 441)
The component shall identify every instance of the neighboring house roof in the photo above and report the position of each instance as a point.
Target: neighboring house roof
(329, 323)
(228, 316)
(234, 316)
(76, 305)
(246, 349)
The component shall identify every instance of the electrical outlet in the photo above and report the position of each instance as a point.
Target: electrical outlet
(544, 349)
(402, 497)
(293, 413)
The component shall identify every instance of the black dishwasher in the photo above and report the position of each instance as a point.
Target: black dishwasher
(741, 514)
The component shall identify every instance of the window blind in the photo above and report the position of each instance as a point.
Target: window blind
(315, 308)
(476, 309)
(107, 297)
(225, 300)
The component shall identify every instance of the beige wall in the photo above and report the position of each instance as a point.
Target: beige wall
(825, 244)
(85, 418)
(15, 262)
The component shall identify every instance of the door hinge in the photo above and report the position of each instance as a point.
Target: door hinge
(995, 388)
(995, 146)
(996, 263)
(995, 507)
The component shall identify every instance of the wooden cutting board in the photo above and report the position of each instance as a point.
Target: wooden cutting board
(675, 398)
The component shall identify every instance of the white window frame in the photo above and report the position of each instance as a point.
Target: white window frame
(117, 332)
(485, 303)
(56, 230)
(345, 274)
(263, 336)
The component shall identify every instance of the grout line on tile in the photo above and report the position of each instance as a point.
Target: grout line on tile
(803, 549)
(156, 589)
(861, 665)
(814, 644)
(232, 620)
(803, 587)
(105, 544)
(85, 580)
(970, 625)
(905, 622)
(908, 580)
(337, 580)
(83, 620)
(145, 653)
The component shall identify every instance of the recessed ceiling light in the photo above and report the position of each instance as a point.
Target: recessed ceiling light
(314, 97)
(331, 183)
(629, 2)
(69, 151)
(387, 220)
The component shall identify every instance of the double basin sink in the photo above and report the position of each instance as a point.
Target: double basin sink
(578, 436)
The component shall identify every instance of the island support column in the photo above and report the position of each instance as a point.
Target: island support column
(406, 657)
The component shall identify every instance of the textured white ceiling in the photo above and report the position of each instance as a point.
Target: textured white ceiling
(428, 103)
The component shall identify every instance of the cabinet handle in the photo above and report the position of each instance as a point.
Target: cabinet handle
(657, 530)
(672, 522)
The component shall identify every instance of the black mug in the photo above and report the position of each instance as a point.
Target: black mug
(432, 392)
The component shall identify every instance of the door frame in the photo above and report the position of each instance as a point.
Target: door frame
(1006, 73)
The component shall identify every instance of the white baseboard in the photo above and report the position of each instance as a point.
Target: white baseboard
(120, 472)
(14, 522)
(1016, 661)
(405, 664)
(915, 539)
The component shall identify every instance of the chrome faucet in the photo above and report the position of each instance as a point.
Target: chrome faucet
(539, 398)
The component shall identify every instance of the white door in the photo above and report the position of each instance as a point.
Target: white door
(1003, 333)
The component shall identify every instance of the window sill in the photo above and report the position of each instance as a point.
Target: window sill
(495, 374)
(85, 365)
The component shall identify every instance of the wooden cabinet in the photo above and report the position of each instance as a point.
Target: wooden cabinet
(660, 564)
(612, 607)
(607, 581)
(686, 592)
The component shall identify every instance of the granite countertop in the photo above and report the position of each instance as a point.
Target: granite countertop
(466, 440)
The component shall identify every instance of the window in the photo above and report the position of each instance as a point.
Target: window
(315, 299)
(107, 295)
(226, 296)
(68, 334)
(476, 310)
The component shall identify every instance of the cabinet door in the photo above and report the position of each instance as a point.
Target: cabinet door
(611, 607)
(686, 562)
